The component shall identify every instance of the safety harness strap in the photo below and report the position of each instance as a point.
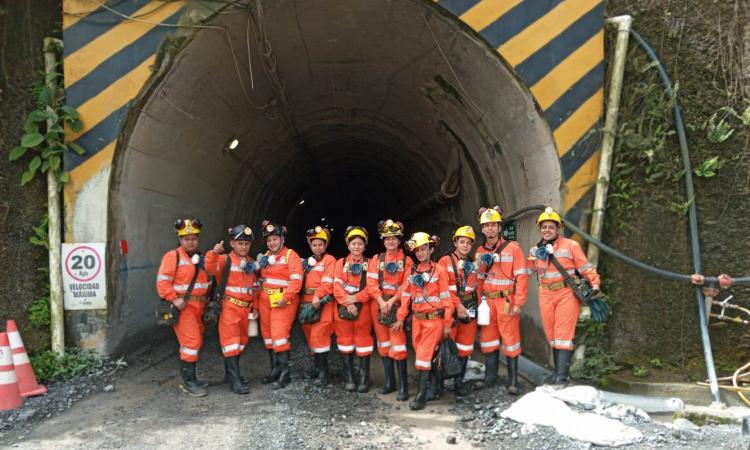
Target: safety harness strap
(219, 293)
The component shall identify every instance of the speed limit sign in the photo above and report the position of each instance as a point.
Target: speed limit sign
(84, 282)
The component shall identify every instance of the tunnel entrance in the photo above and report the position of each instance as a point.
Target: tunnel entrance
(346, 110)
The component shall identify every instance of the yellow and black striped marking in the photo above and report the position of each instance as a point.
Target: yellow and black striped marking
(556, 47)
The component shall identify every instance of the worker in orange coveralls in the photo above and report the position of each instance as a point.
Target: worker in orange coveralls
(352, 322)
(281, 276)
(318, 283)
(425, 293)
(178, 268)
(503, 282)
(239, 299)
(385, 275)
(558, 304)
(462, 282)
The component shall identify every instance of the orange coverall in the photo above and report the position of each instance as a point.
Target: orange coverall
(319, 282)
(240, 296)
(426, 334)
(391, 344)
(558, 304)
(465, 333)
(505, 284)
(170, 284)
(352, 335)
(284, 278)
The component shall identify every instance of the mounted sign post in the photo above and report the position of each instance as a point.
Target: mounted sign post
(84, 283)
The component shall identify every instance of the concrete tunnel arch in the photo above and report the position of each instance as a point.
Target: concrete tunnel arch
(362, 109)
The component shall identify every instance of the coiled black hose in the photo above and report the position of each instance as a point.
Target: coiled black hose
(618, 254)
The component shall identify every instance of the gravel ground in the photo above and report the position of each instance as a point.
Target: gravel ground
(141, 406)
(60, 397)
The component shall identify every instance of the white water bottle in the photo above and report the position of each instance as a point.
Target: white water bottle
(252, 326)
(483, 313)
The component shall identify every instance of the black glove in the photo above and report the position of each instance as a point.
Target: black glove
(599, 309)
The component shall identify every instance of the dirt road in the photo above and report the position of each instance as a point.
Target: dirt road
(145, 409)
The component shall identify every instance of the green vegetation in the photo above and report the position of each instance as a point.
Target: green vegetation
(640, 371)
(49, 366)
(598, 362)
(43, 140)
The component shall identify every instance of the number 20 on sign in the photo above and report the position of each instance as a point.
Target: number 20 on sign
(84, 282)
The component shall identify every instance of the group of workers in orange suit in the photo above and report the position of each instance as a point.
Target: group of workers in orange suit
(370, 303)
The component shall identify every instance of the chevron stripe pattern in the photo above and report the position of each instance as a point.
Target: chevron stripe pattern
(555, 46)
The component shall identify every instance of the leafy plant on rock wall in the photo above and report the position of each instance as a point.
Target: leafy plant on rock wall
(43, 142)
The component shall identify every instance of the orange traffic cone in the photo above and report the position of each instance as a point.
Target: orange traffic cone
(25, 373)
(10, 395)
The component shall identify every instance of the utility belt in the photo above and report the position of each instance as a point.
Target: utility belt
(553, 286)
(499, 294)
(310, 291)
(236, 301)
(195, 298)
(439, 314)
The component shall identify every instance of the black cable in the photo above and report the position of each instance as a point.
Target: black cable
(621, 256)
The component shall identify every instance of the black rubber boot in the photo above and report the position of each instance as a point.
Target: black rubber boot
(285, 376)
(403, 381)
(551, 379)
(350, 385)
(420, 401)
(232, 365)
(187, 371)
(313, 371)
(364, 375)
(491, 363)
(460, 388)
(201, 383)
(436, 385)
(390, 377)
(322, 363)
(562, 366)
(275, 369)
(226, 375)
(513, 375)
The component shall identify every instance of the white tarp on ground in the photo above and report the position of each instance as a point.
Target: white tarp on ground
(545, 406)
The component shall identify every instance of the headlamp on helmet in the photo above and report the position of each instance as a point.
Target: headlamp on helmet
(419, 239)
(241, 232)
(319, 232)
(549, 214)
(465, 231)
(389, 227)
(188, 226)
(490, 215)
(273, 229)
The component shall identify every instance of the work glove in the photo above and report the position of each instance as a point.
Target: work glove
(306, 313)
(599, 309)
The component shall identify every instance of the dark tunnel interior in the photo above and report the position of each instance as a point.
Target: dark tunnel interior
(349, 111)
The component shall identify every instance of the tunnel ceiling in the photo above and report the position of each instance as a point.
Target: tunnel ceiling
(361, 108)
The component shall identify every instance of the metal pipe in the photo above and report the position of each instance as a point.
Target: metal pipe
(692, 218)
(57, 311)
(608, 140)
